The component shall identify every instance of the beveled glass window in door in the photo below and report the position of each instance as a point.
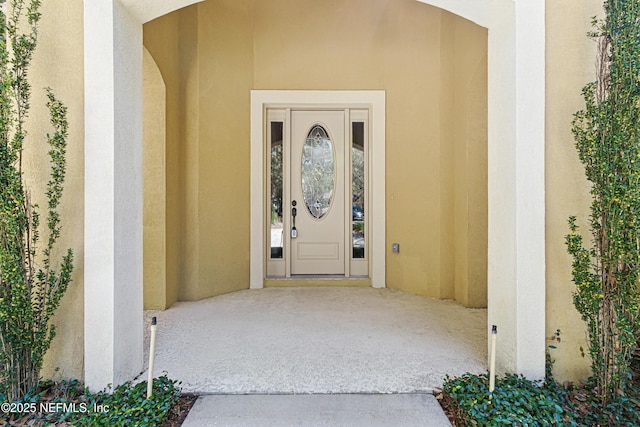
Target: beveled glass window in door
(358, 189)
(318, 172)
(276, 228)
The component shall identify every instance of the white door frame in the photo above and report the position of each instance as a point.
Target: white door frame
(375, 101)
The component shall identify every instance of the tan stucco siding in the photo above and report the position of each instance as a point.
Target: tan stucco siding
(188, 198)
(172, 47)
(59, 52)
(469, 186)
(155, 191)
(570, 65)
(412, 52)
(226, 74)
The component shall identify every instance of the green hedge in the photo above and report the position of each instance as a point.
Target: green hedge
(517, 401)
(514, 401)
(126, 405)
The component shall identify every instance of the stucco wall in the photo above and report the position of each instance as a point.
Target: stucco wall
(172, 42)
(59, 52)
(226, 75)
(155, 189)
(570, 65)
(406, 48)
(470, 163)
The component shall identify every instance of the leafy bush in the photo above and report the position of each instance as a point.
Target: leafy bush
(518, 401)
(514, 401)
(126, 406)
(607, 138)
(623, 410)
(30, 286)
(129, 406)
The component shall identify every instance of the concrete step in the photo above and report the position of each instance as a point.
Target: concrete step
(315, 410)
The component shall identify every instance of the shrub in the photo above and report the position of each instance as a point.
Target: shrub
(514, 401)
(607, 137)
(129, 406)
(30, 287)
(72, 404)
(518, 401)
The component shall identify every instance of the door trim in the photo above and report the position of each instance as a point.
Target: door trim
(375, 101)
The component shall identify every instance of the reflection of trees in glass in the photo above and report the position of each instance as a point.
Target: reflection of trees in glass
(276, 180)
(357, 185)
(357, 189)
(317, 171)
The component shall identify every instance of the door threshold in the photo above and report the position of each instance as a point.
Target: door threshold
(323, 280)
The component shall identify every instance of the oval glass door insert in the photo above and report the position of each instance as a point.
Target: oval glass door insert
(318, 172)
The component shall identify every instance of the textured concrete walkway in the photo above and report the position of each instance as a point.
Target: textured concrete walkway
(318, 356)
(318, 340)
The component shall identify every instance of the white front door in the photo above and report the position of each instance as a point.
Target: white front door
(317, 192)
(316, 166)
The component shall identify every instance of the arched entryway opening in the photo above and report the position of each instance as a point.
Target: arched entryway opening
(113, 155)
(427, 143)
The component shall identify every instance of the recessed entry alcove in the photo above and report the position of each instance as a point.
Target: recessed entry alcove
(211, 236)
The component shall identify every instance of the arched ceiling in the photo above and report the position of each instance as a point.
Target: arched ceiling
(482, 12)
(147, 10)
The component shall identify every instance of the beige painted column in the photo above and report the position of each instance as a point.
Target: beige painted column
(516, 217)
(113, 186)
(530, 187)
(113, 194)
(516, 223)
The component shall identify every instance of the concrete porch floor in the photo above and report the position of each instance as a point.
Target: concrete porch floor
(317, 340)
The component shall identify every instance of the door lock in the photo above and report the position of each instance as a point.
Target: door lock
(294, 212)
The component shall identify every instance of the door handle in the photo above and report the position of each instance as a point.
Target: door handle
(294, 212)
